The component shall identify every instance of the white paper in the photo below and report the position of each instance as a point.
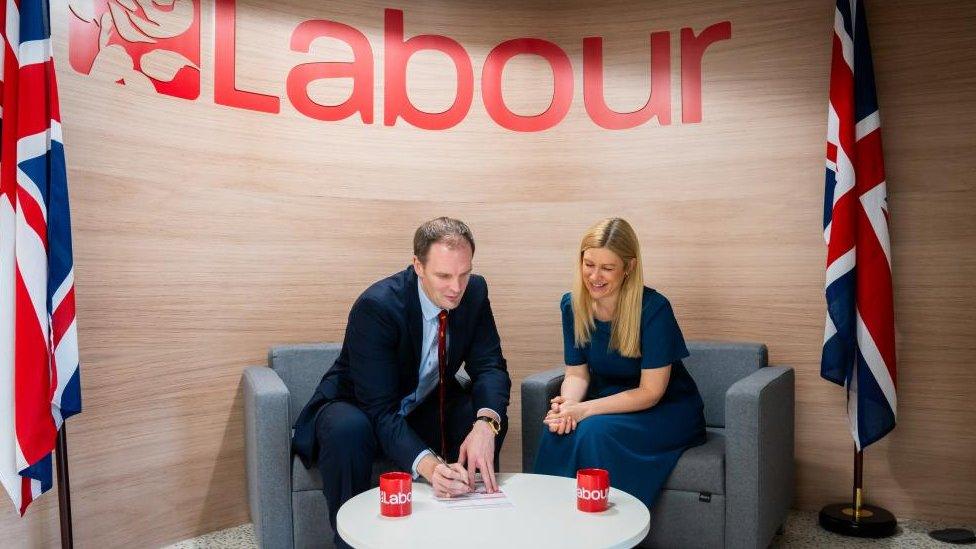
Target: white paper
(478, 499)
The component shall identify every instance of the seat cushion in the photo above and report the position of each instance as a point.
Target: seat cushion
(303, 479)
(715, 366)
(702, 468)
(682, 519)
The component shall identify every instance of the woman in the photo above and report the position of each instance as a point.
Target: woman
(627, 403)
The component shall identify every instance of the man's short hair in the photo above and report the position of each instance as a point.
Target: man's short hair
(446, 230)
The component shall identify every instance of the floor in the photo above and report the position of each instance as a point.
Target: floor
(801, 531)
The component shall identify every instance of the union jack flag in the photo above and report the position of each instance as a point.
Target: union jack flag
(39, 384)
(859, 337)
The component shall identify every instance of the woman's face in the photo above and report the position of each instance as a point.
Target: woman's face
(603, 273)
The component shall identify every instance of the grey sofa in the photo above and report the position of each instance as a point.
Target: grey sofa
(733, 491)
(286, 502)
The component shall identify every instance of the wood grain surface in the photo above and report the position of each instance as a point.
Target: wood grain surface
(205, 234)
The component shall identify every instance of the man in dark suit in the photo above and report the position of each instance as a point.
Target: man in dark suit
(387, 392)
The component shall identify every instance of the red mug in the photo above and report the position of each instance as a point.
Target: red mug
(396, 494)
(592, 490)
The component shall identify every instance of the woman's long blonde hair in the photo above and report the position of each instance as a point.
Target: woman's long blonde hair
(616, 235)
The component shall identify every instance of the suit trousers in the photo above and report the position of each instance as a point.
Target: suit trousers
(348, 444)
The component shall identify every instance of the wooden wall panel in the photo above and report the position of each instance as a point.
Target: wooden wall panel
(205, 234)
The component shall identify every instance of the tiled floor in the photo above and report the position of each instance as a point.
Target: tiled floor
(801, 531)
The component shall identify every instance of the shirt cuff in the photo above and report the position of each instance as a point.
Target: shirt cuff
(490, 413)
(416, 462)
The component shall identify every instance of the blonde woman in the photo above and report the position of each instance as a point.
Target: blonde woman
(627, 403)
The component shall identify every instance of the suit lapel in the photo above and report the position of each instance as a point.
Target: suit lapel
(415, 320)
(456, 333)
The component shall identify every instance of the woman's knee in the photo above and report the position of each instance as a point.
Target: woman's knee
(592, 430)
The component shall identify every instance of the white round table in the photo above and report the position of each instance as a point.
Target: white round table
(543, 515)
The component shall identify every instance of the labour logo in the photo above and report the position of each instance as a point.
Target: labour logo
(151, 45)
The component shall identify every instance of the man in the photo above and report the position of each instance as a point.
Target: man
(387, 393)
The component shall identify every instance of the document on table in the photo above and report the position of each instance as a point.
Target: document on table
(479, 499)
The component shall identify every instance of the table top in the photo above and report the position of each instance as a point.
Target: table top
(543, 514)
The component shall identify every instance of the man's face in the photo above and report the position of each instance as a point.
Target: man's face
(445, 275)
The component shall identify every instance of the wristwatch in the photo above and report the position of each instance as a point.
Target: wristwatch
(492, 422)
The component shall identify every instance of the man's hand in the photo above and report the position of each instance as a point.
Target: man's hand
(446, 480)
(478, 453)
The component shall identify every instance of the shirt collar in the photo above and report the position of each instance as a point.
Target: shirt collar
(427, 307)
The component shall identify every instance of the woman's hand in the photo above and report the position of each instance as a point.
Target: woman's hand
(565, 415)
(558, 401)
(560, 427)
(577, 411)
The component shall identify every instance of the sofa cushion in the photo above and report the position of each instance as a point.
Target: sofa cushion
(715, 366)
(301, 367)
(702, 468)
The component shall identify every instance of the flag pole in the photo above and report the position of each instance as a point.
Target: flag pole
(856, 518)
(858, 479)
(64, 488)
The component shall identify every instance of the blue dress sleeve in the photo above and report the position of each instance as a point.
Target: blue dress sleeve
(573, 355)
(661, 341)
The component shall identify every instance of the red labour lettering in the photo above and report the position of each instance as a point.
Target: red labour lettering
(225, 86)
(659, 101)
(397, 53)
(692, 50)
(360, 69)
(562, 80)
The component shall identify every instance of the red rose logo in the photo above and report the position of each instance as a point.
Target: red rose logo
(145, 44)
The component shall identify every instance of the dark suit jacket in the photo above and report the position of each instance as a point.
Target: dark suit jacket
(380, 361)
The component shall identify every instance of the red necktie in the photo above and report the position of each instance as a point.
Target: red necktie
(441, 365)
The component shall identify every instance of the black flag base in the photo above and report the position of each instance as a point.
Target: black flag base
(873, 522)
(959, 536)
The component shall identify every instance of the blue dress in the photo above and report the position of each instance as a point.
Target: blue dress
(639, 449)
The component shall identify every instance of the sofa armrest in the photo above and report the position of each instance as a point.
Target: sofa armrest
(537, 391)
(759, 456)
(267, 450)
